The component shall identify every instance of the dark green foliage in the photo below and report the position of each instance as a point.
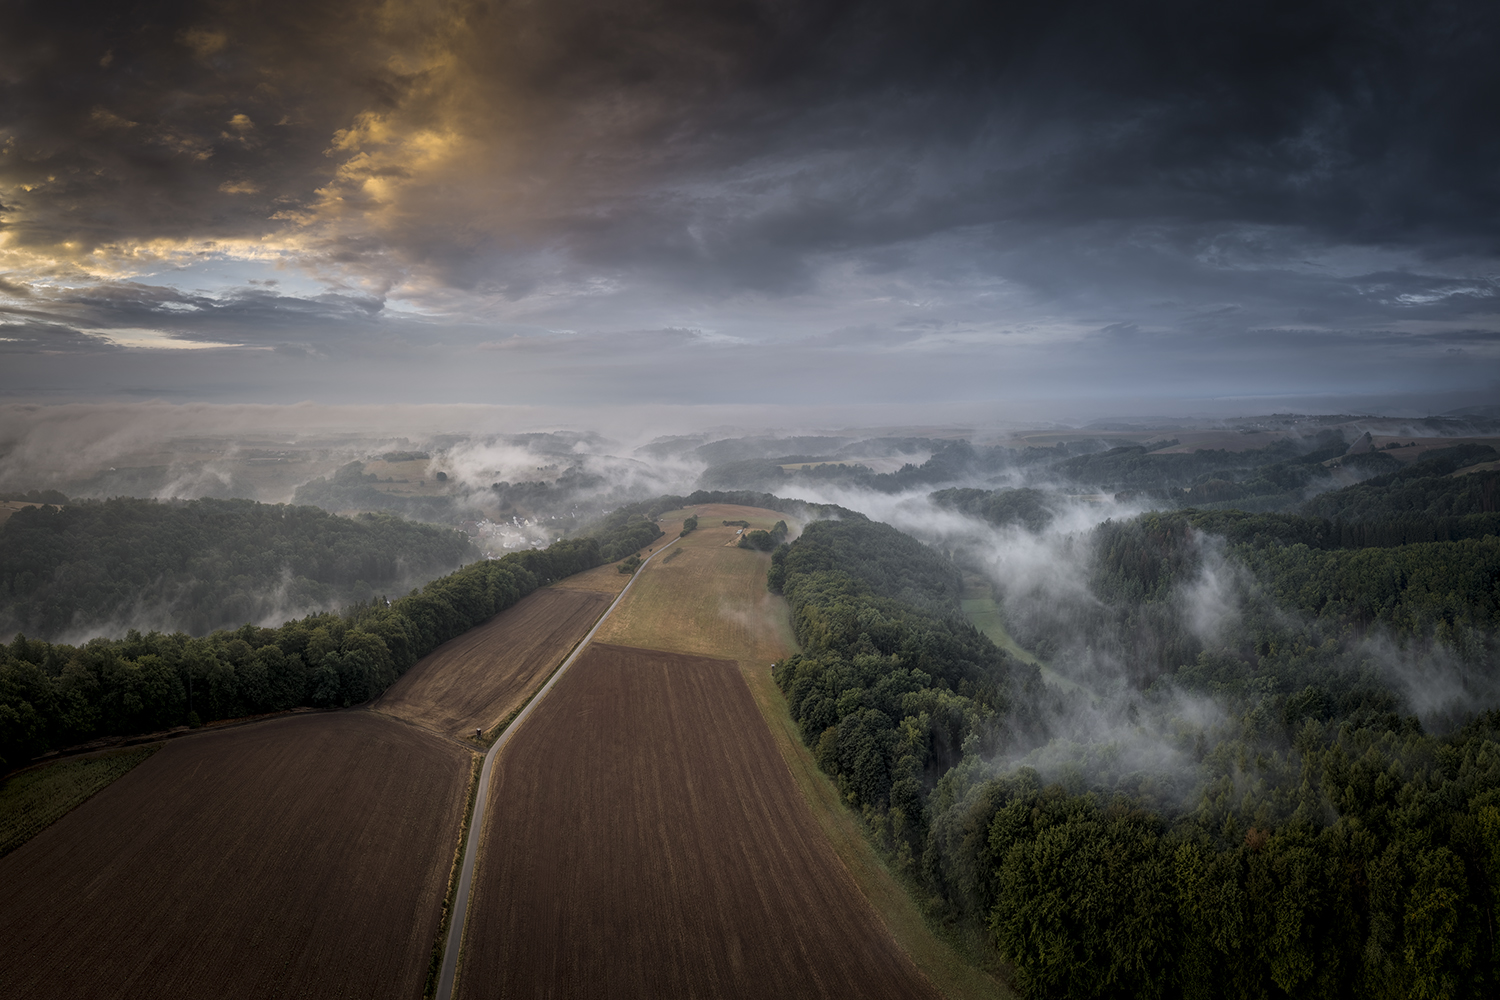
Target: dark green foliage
(1414, 494)
(625, 531)
(745, 474)
(1028, 508)
(202, 564)
(38, 497)
(1385, 887)
(1313, 841)
(351, 489)
(56, 695)
(764, 541)
(889, 695)
(689, 525)
(890, 563)
(535, 494)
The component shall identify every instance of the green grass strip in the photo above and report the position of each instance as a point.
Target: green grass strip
(35, 799)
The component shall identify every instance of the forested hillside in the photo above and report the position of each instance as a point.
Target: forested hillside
(54, 695)
(1280, 775)
(198, 565)
(893, 686)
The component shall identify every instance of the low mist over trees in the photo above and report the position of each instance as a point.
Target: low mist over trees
(199, 565)
(1260, 766)
(54, 695)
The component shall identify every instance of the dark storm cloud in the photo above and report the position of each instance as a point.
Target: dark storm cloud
(937, 184)
(815, 126)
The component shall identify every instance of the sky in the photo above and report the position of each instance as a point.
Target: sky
(1083, 207)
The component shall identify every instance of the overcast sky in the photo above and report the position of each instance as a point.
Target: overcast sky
(1142, 205)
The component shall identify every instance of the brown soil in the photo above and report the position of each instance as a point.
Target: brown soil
(481, 677)
(645, 839)
(606, 579)
(304, 856)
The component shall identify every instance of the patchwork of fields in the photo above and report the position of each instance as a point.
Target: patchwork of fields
(648, 835)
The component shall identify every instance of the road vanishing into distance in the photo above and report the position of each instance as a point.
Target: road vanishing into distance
(476, 824)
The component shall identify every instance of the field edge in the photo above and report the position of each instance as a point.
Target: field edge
(141, 753)
(929, 948)
(435, 965)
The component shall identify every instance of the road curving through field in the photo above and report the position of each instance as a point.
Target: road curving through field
(476, 825)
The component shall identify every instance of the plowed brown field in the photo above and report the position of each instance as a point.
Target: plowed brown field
(646, 840)
(478, 679)
(301, 857)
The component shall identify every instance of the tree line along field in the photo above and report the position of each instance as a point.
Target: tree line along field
(478, 679)
(298, 856)
(646, 840)
(710, 598)
(310, 855)
(302, 856)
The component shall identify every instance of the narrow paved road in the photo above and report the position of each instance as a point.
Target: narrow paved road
(476, 825)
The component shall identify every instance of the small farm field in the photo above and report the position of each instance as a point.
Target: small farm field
(36, 798)
(713, 515)
(646, 840)
(606, 579)
(302, 856)
(478, 679)
(709, 599)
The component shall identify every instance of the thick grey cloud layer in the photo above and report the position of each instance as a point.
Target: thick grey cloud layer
(930, 201)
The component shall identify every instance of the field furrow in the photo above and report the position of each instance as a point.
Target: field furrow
(300, 857)
(478, 679)
(645, 839)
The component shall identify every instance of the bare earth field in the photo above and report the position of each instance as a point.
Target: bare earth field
(306, 856)
(712, 600)
(477, 680)
(646, 840)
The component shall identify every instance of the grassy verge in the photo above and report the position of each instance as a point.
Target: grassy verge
(33, 800)
(712, 600)
(954, 977)
(435, 966)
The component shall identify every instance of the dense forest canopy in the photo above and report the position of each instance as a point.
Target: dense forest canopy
(1262, 760)
(199, 565)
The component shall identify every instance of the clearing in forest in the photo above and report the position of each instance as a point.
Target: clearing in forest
(478, 679)
(302, 856)
(646, 840)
